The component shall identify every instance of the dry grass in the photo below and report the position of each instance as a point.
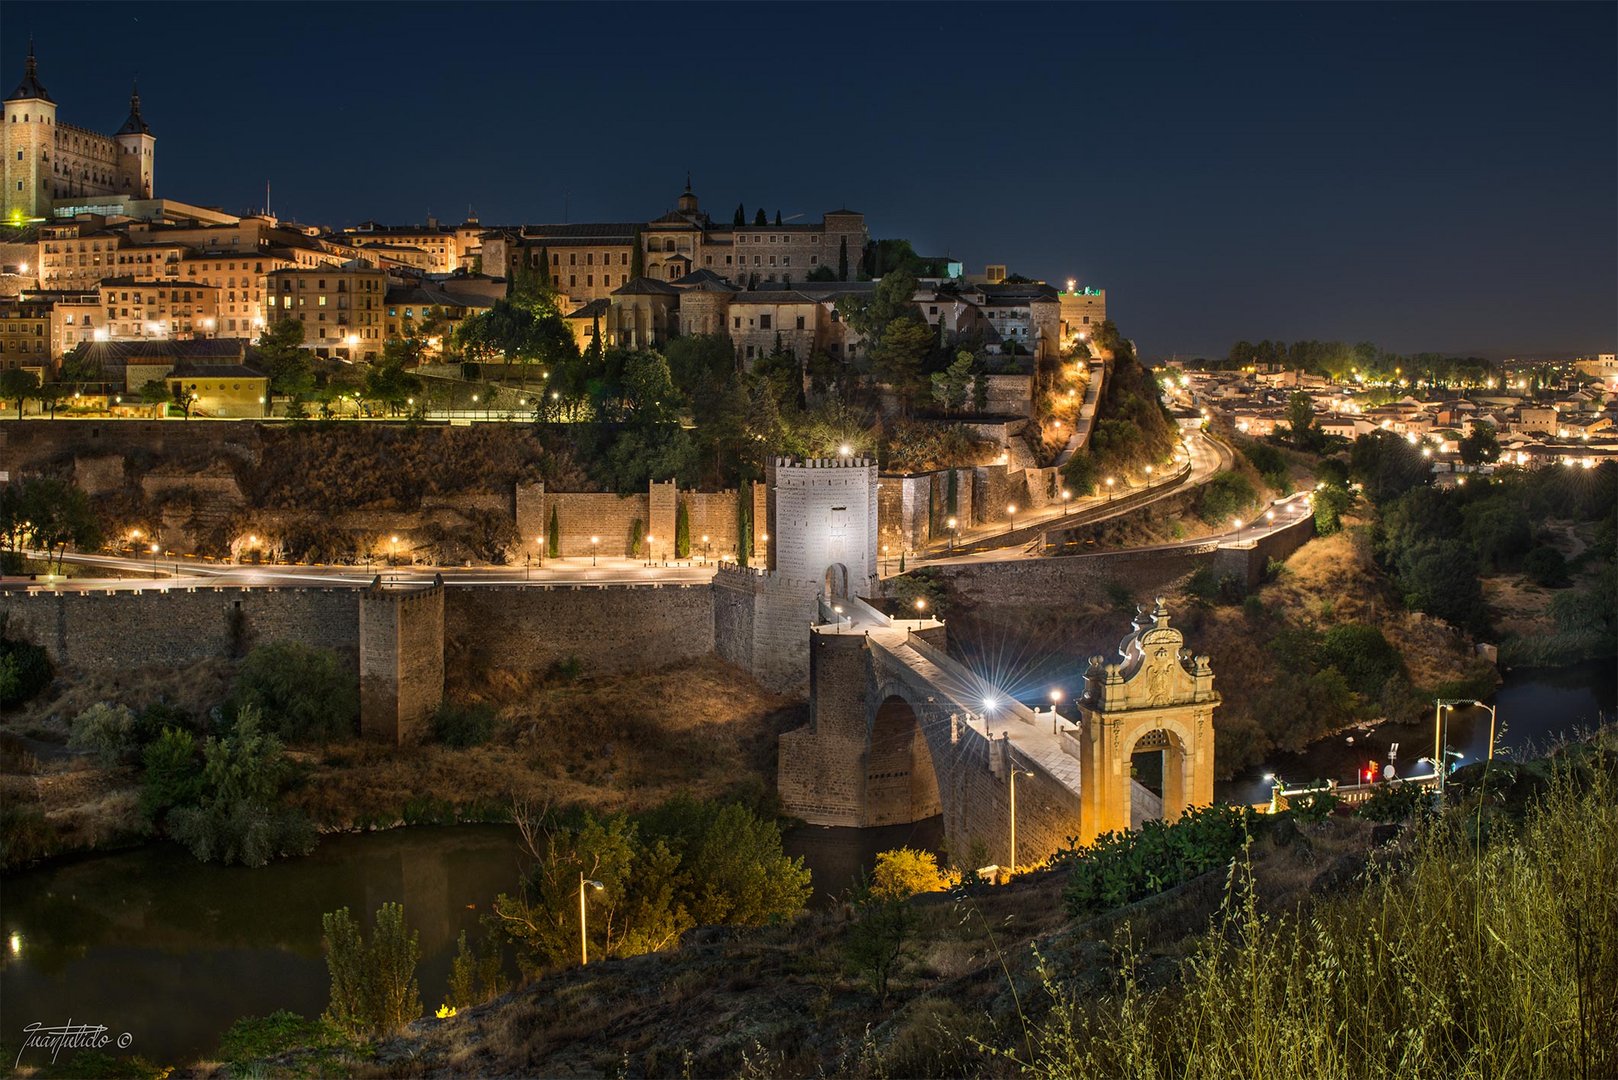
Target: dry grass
(702, 729)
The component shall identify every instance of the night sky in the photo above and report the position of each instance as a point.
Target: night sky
(1429, 177)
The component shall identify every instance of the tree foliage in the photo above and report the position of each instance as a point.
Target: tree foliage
(301, 692)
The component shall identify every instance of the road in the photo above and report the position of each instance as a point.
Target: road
(137, 573)
(1208, 458)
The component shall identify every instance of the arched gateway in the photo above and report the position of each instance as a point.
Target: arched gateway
(1157, 697)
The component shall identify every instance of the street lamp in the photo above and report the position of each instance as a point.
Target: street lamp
(884, 560)
(705, 549)
(1011, 512)
(1012, 867)
(1109, 488)
(1056, 717)
(539, 545)
(595, 542)
(845, 450)
(1066, 497)
(584, 941)
(1238, 532)
(1148, 478)
(1269, 516)
(953, 532)
(649, 539)
(393, 549)
(154, 561)
(921, 609)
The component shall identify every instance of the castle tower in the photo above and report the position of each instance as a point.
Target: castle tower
(688, 201)
(1157, 698)
(823, 523)
(30, 133)
(136, 145)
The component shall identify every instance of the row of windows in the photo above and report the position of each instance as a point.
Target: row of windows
(764, 322)
(814, 238)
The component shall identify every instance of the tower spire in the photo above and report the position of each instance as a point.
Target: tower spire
(30, 88)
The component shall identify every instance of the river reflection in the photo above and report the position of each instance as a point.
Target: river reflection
(173, 951)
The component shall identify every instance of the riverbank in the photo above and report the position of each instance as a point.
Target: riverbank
(701, 729)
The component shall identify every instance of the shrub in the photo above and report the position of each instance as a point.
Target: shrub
(302, 693)
(235, 819)
(462, 725)
(25, 670)
(1121, 868)
(1393, 801)
(1225, 496)
(253, 1038)
(1545, 566)
(107, 730)
(1080, 474)
(173, 777)
(875, 946)
(1366, 658)
(904, 872)
(1329, 503)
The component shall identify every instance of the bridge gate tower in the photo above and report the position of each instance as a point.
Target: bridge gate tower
(1156, 697)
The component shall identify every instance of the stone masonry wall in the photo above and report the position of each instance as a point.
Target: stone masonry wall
(819, 774)
(609, 629)
(120, 631)
(401, 661)
(583, 514)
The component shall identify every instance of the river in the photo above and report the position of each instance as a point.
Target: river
(1534, 708)
(152, 942)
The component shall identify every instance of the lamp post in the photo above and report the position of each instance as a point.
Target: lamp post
(154, 561)
(1011, 512)
(595, 543)
(649, 540)
(1148, 478)
(393, 550)
(921, 608)
(584, 941)
(705, 549)
(1066, 498)
(1109, 488)
(1238, 532)
(953, 531)
(1056, 717)
(1012, 866)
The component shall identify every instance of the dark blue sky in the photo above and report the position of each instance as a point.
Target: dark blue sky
(1438, 176)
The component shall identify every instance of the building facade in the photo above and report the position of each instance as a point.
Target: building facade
(46, 159)
(341, 308)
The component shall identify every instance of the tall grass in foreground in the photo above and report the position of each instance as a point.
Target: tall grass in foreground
(1496, 958)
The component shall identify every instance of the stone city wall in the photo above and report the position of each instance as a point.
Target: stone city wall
(120, 631)
(581, 515)
(608, 629)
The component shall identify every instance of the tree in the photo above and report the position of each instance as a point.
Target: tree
(106, 730)
(56, 514)
(185, 399)
(760, 218)
(171, 774)
(1300, 418)
(740, 217)
(951, 386)
(280, 355)
(1545, 566)
(301, 692)
(553, 536)
(682, 530)
(842, 259)
(386, 380)
(236, 819)
(1480, 447)
(373, 985)
(905, 872)
(778, 217)
(637, 257)
(18, 385)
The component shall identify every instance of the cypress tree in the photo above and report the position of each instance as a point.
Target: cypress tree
(741, 215)
(553, 536)
(682, 531)
(842, 259)
(744, 526)
(778, 217)
(637, 536)
(545, 267)
(761, 218)
(637, 260)
(951, 494)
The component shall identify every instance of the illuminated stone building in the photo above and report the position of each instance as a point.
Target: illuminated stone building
(46, 160)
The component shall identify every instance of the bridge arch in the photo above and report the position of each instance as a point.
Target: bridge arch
(835, 584)
(901, 781)
(1172, 772)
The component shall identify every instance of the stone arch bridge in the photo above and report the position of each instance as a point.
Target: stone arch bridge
(899, 731)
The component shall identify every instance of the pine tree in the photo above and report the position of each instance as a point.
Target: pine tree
(682, 531)
(637, 260)
(842, 259)
(741, 215)
(744, 525)
(553, 536)
(778, 217)
(761, 218)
